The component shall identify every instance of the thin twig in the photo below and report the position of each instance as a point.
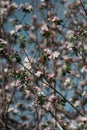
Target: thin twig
(83, 7)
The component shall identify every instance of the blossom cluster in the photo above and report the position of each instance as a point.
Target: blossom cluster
(43, 65)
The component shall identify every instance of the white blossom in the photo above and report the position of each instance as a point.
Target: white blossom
(69, 45)
(6, 70)
(67, 81)
(13, 5)
(19, 27)
(44, 29)
(55, 54)
(12, 32)
(38, 73)
(26, 6)
(77, 103)
(55, 18)
(47, 50)
(27, 63)
(4, 3)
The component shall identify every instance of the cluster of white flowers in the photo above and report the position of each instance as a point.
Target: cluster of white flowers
(26, 7)
(17, 29)
(38, 73)
(6, 6)
(3, 7)
(55, 18)
(51, 54)
(69, 45)
(55, 54)
(28, 61)
(47, 51)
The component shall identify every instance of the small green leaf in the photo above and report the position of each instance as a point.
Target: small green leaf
(63, 102)
(41, 99)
